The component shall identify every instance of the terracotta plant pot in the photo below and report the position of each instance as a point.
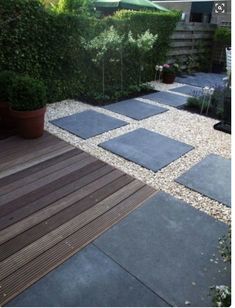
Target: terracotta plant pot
(168, 78)
(30, 124)
(7, 122)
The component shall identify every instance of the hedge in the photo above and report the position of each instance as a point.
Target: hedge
(48, 46)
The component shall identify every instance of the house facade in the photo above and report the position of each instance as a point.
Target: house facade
(217, 12)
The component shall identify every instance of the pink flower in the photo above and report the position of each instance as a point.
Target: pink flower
(166, 65)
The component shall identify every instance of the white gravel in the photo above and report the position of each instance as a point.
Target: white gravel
(193, 129)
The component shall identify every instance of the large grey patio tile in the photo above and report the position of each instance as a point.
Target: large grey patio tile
(148, 149)
(88, 124)
(135, 109)
(167, 98)
(211, 177)
(201, 79)
(89, 278)
(171, 247)
(188, 90)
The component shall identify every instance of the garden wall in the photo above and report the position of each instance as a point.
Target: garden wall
(48, 46)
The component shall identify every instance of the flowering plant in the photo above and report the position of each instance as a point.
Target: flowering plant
(170, 68)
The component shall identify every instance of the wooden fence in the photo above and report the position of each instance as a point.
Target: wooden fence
(191, 43)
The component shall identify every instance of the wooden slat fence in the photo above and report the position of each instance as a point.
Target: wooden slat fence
(189, 42)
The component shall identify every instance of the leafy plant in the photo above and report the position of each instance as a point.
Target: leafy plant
(221, 293)
(27, 94)
(170, 68)
(6, 80)
(223, 36)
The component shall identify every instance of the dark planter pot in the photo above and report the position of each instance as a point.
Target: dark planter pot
(217, 67)
(30, 124)
(168, 78)
(7, 121)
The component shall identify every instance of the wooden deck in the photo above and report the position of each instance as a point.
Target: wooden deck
(54, 200)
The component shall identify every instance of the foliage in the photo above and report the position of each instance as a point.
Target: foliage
(170, 68)
(6, 80)
(216, 108)
(75, 6)
(223, 36)
(222, 294)
(47, 45)
(27, 94)
(225, 246)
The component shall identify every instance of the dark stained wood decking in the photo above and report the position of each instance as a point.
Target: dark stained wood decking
(54, 200)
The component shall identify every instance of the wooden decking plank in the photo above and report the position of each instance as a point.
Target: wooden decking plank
(43, 185)
(38, 150)
(21, 184)
(15, 143)
(116, 182)
(81, 188)
(33, 250)
(23, 192)
(24, 147)
(35, 161)
(36, 168)
(55, 192)
(38, 267)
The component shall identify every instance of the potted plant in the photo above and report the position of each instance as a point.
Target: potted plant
(169, 72)
(6, 80)
(28, 106)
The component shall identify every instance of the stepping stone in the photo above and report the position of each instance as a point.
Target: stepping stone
(210, 177)
(203, 79)
(135, 109)
(89, 278)
(145, 148)
(188, 90)
(172, 248)
(167, 98)
(88, 124)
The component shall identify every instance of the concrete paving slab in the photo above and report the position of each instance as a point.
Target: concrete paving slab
(167, 98)
(135, 109)
(172, 248)
(88, 279)
(148, 149)
(188, 90)
(88, 124)
(211, 177)
(203, 79)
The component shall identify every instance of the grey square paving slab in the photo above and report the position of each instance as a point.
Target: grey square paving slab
(172, 248)
(88, 124)
(188, 90)
(89, 278)
(211, 177)
(145, 148)
(167, 98)
(135, 109)
(201, 79)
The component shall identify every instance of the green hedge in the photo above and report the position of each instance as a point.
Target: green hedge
(47, 46)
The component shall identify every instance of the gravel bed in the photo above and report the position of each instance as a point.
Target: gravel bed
(193, 129)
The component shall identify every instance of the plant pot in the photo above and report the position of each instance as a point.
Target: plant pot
(168, 78)
(30, 124)
(7, 122)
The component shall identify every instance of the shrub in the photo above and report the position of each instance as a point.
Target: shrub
(6, 80)
(48, 46)
(27, 94)
(223, 36)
